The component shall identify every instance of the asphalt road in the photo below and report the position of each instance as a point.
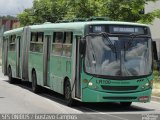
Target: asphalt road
(18, 98)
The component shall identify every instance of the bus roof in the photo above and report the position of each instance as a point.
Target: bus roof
(17, 30)
(79, 25)
(70, 25)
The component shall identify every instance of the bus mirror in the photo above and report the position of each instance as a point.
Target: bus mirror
(82, 46)
(154, 50)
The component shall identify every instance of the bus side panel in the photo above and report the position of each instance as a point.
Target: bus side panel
(60, 67)
(12, 62)
(56, 73)
(76, 73)
(18, 55)
(4, 56)
(73, 68)
(36, 62)
(66, 70)
(25, 48)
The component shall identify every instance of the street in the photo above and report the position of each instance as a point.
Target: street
(18, 98)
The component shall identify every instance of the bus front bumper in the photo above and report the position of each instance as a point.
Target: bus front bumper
(90, 95)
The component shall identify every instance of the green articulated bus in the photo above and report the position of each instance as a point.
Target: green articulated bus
(90, 61)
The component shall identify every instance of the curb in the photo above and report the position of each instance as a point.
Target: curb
(156, 99)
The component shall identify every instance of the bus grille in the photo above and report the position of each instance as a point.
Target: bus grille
(120, 98)
(119, 88)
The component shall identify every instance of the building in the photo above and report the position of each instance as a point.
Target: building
(155, 26)
(7, 24)
(16, 25)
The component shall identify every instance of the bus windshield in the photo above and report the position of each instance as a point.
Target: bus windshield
(118, 55)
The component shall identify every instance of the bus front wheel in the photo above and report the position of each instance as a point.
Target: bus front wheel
(126, 104)
(35, 87)
(68, 94)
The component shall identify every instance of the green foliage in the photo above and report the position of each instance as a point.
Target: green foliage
(43, 11)
(156, 75)
(149, 17)
(124, 10)
(155, 65)
(129, 10)
(84, 8)
(26, 17)
(118, 10)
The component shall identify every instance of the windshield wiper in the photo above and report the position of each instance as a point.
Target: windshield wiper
(133, 36)
(94, 58)
(110, 45)
(105, 37)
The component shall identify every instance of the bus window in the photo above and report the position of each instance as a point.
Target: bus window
(57, 43)
(67, 45)
(40, 37)
(36, 42)
(12, 39)
(33, 37)
(58, 37)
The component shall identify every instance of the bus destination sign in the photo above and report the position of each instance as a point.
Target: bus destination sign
(118, 29)
(98, 29)
(126, 29)
(122, 29)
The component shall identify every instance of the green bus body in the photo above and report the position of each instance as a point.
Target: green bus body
(32, 48)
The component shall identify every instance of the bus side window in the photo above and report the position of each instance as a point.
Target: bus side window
(12, 40)
(36, 42)
(67, 45)
(57, 43)
(33, 36)
(40, 37)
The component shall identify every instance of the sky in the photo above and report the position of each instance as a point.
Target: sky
(14, 7)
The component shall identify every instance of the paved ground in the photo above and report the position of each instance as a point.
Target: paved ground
(18, 98)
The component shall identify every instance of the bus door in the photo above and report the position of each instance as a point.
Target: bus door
(18, 56)
(46, 60)
(5, 55)
(78, 69)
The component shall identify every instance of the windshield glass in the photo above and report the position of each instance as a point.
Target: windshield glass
(118, 56)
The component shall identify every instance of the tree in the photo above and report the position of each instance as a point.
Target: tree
(44, 11)
(129, 10)
(26, 17)
(119, 10)
(84, 8)
(40, 12)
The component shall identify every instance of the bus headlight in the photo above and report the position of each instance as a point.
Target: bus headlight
(147, 85)
(90, 83)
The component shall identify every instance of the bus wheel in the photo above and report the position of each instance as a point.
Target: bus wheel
(11, 80)
(68, 94)
(35, 87)
(126, 104)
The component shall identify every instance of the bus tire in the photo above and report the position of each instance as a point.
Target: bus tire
(11, 79)
(35, 87)
(126, 104)
(68, 94)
